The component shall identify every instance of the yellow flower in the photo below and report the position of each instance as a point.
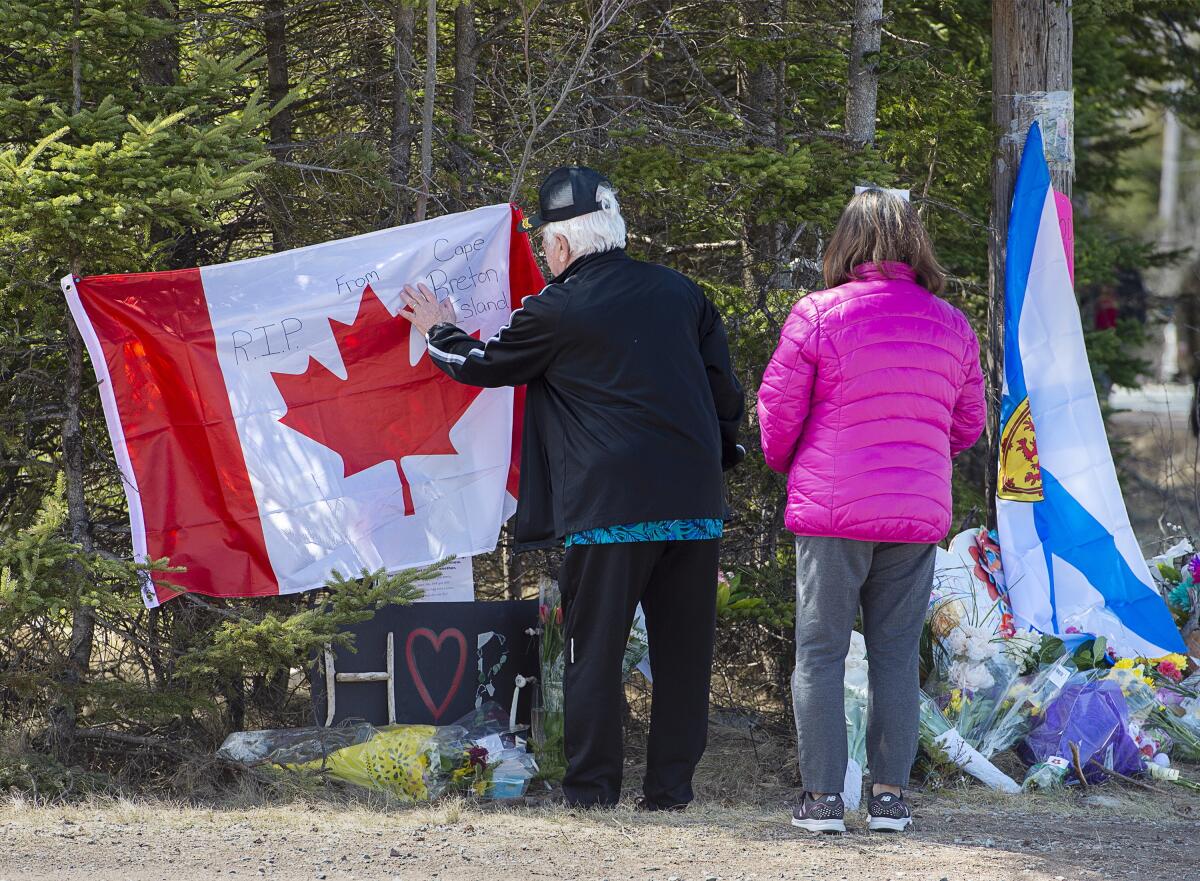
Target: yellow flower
(1175, 658)
(1124, 664)
(956, 700)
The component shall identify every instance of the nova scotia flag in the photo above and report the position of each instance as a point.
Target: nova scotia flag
(1071, 560)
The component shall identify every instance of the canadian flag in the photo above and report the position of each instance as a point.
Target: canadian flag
(274, 419)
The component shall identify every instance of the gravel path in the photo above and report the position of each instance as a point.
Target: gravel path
(971, 836)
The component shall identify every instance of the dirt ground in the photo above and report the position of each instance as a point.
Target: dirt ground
(969, 836)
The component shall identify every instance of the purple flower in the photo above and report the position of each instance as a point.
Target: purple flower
(1193, 568)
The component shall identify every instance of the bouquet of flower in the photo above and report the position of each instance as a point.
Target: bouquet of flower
(1167, 706)
(548, 714)
(939, 738)
(1022, 703)
(1088, 725)
(1139, 686)
(479, 755)
(977, 677)
(1180, 589)
(855, 698)
(400, 760)
(468, 770)
(1182, 723)
(637, 647)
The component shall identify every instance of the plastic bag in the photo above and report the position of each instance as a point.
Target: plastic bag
(291, 746)
(1049, 774)
(1094, 718)
(511, 777)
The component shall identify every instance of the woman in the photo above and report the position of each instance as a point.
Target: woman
(874, 387)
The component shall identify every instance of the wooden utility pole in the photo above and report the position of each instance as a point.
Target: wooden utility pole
(1031, 80)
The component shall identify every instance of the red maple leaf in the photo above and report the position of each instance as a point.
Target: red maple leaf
(385, 408)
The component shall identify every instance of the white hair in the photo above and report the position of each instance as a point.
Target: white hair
(591, 233)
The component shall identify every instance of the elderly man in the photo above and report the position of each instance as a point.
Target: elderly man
(631, 416)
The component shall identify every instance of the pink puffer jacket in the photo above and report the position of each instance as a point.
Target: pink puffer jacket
(875, 385)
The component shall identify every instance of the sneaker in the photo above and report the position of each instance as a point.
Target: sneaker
(888, 812)
(826, 814)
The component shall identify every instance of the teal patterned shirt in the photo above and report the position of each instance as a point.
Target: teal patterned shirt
(651, 530)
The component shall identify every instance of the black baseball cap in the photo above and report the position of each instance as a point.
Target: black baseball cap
(566, 193)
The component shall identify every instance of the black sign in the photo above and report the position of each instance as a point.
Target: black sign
(446, 658)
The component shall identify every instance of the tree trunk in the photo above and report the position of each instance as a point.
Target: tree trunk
(762, 86)
(64, 714)
(466, 60)
(763, 242)
(404, 16)
(160, 64)
(427, 110)
(863, 90)
(1031, 80)
(275, 35)
(279, 127)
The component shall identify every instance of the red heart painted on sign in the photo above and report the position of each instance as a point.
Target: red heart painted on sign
(436, 640)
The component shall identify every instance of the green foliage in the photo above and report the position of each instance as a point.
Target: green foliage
(733, 602)
(1113, 353)
(1170, 574)
(1089, 655)
(45, 779)
(270, 642)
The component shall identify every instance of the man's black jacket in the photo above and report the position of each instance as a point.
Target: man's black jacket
(632, 408)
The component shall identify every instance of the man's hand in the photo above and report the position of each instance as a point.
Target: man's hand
(423, 310)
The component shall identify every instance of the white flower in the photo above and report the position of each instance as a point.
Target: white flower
(971, 642)
(1021, 647)
(969, 676)
(856, 662)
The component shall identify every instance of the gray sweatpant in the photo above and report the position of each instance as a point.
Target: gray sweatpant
(892, 582)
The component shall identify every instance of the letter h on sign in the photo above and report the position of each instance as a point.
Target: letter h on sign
(332, 678)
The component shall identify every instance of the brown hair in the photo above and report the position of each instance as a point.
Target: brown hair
(877, 227)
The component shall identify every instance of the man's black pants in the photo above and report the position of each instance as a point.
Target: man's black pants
(676, 583)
